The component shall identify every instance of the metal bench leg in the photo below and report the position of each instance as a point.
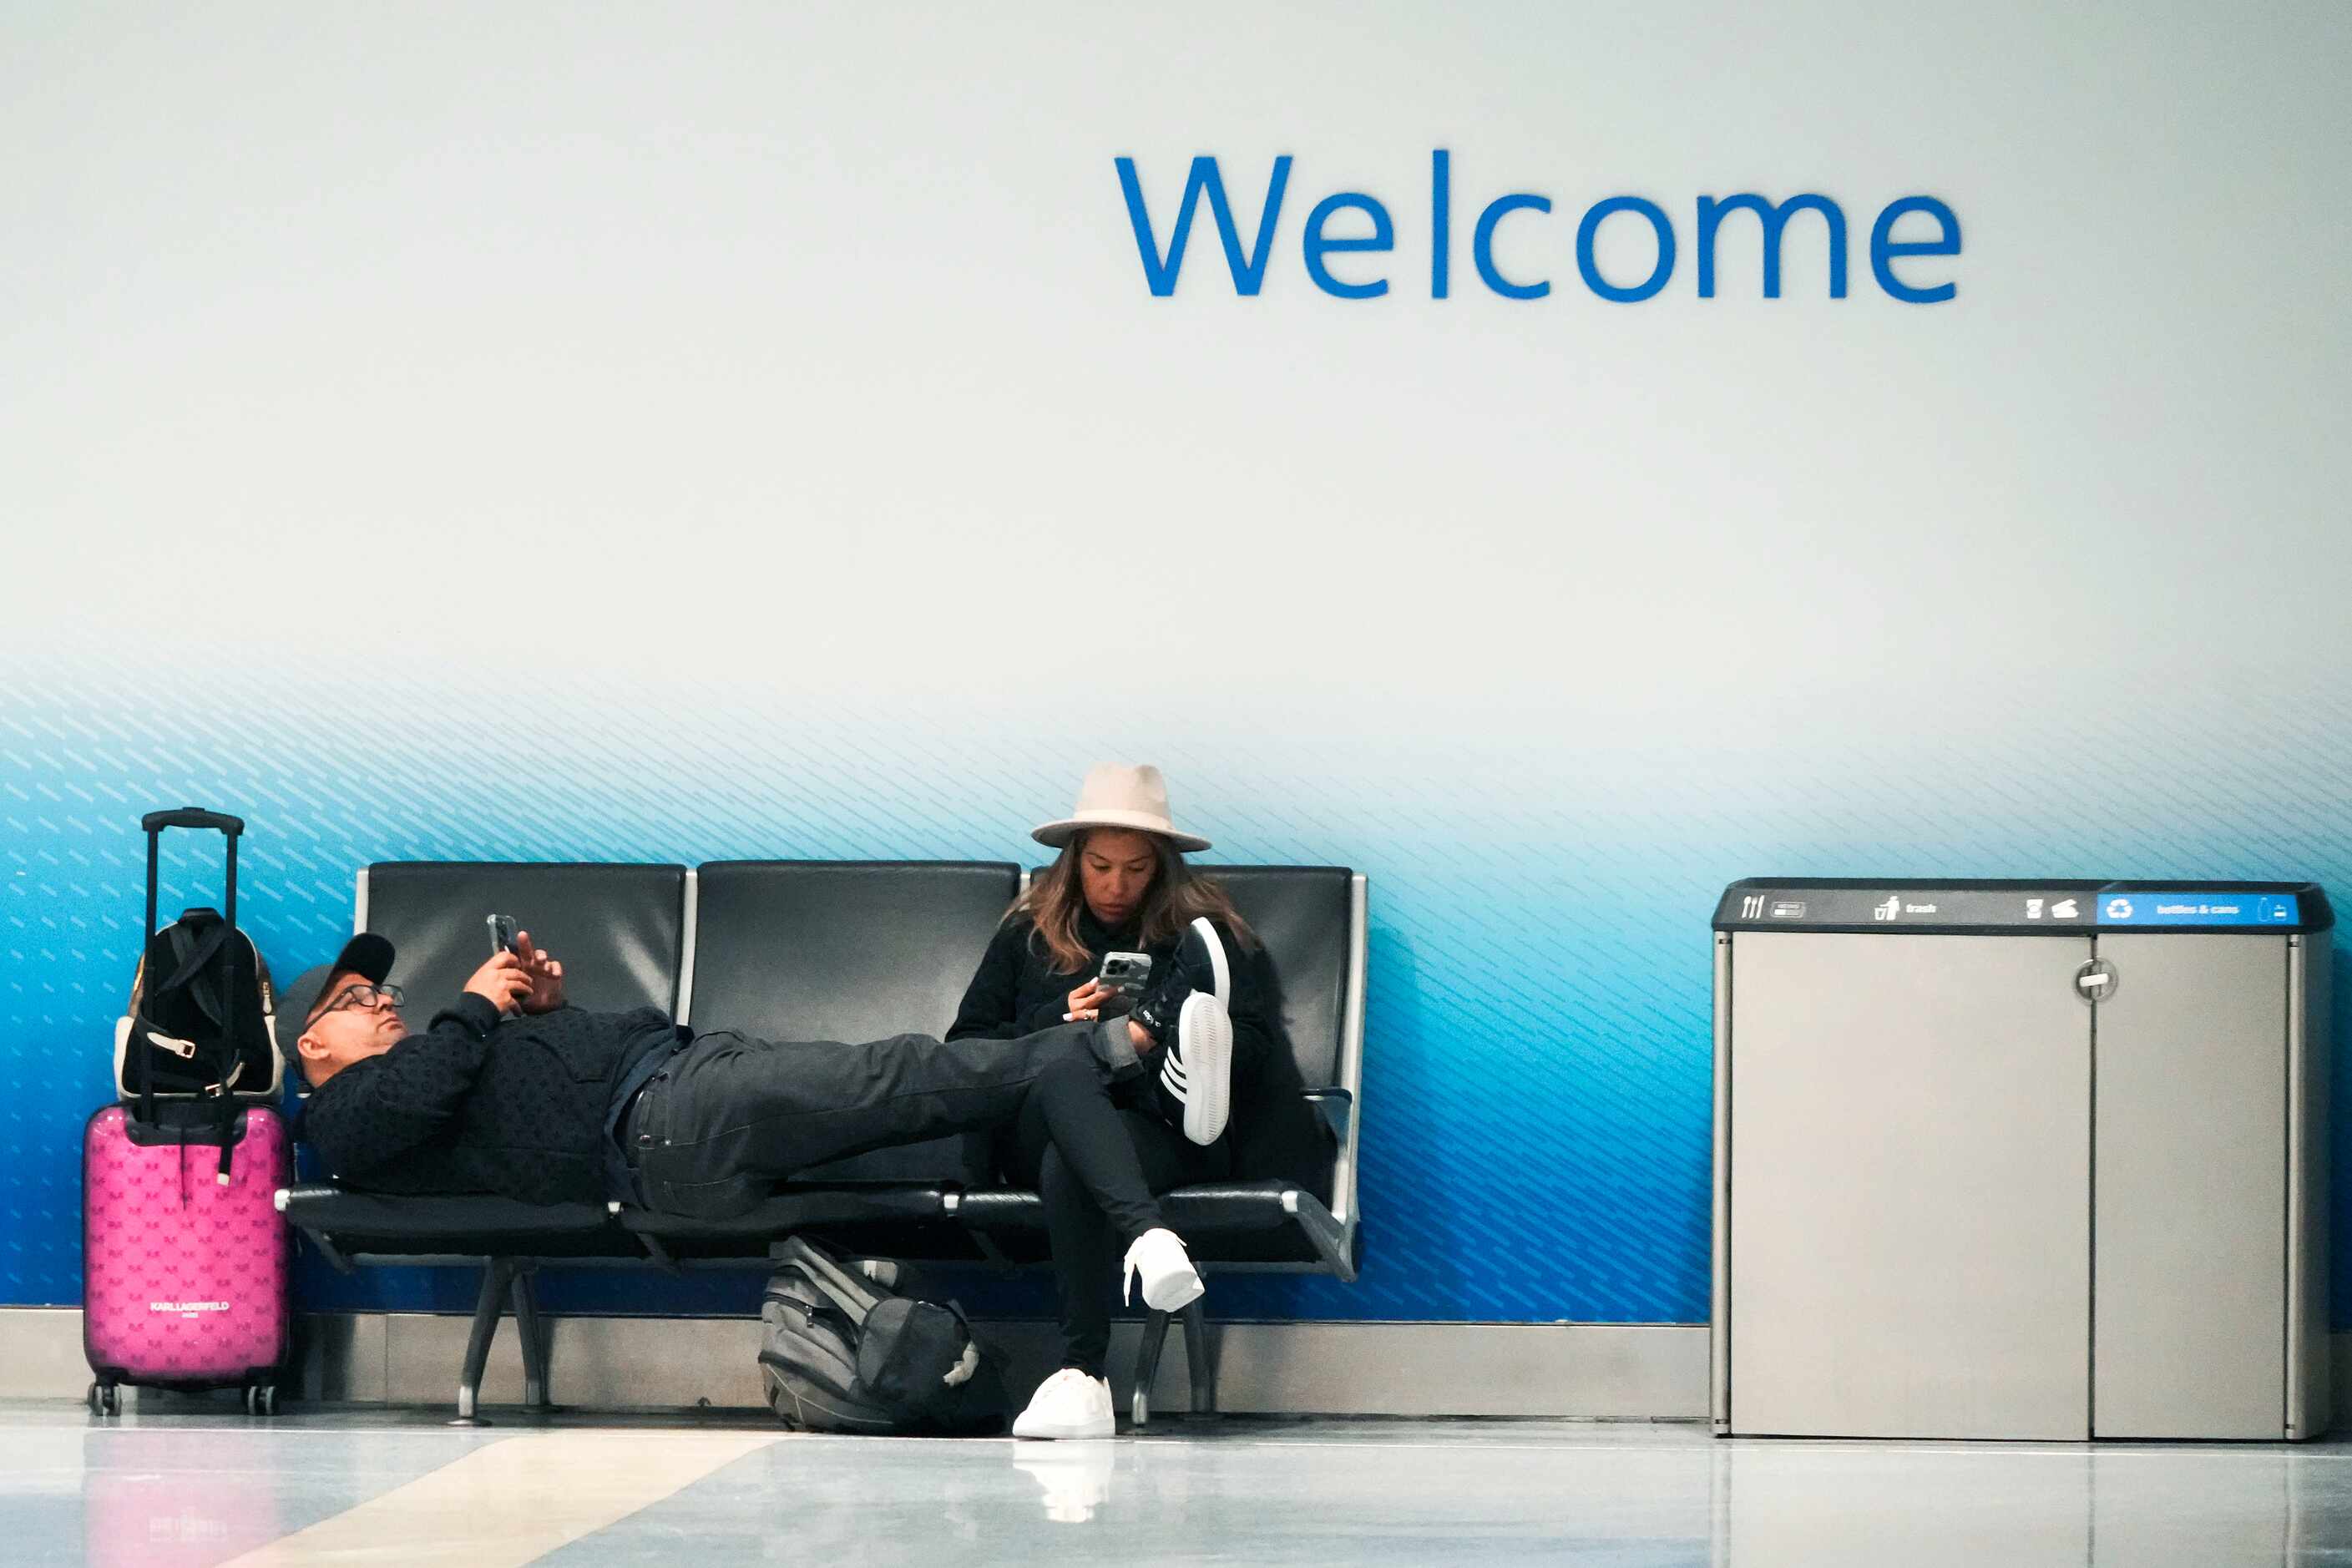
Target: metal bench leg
(1146, 1367)
(533, 1332)
(497, 1278)
(1199, 1360)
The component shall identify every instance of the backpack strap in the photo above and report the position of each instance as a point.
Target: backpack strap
(825, 1272)
(191, 953)
(194, 953)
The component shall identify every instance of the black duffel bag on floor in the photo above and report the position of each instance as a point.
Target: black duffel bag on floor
(840, 1353)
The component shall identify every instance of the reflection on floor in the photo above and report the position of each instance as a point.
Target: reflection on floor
(197, 1486)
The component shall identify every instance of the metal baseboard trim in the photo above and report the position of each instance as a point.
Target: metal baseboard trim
(1589, 1370)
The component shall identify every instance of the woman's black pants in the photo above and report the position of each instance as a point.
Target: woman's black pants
(1089, 1236)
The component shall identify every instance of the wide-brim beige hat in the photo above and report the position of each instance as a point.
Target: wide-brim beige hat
(1118, 795)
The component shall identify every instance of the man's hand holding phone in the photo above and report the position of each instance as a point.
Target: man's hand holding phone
(503, 981)
(546, 976)
(518, 977)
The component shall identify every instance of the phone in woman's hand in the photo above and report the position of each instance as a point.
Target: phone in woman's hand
(1124, 974)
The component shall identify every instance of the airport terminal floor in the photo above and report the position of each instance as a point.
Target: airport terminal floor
(191, 1486)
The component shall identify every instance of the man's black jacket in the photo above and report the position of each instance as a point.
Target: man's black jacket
(478, 1104)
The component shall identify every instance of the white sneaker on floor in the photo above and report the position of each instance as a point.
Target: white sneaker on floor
(1068, 1405)
(1170, 1283)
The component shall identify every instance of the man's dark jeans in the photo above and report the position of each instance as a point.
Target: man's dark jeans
(729, 1116)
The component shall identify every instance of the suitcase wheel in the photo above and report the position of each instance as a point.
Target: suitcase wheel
(261, 1399)
(105, 1399)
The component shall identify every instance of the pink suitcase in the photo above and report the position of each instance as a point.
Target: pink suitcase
(183, 1279)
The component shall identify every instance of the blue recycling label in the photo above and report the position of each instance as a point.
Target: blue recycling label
(2137, 909)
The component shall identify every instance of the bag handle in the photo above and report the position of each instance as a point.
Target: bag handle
(154, 822)
(146, 944)
(855, 1302)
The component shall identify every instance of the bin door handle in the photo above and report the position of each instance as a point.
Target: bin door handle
(2096, 982)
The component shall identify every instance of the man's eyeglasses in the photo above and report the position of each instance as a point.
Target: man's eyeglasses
(367, 998)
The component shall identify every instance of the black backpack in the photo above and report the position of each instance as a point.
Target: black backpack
(201, 1003)
(840, 1353)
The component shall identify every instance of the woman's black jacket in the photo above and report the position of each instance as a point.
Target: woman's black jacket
(1274, 1131)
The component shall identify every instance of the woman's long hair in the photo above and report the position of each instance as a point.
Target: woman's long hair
(1175, 900)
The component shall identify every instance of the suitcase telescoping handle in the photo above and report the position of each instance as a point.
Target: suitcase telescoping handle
(192, 816)
(196, 816)
(230, 828)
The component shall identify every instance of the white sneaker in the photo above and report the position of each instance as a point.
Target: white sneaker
(1190, 1015)
(1068, 1405)
(1170, 1283)
(1196, 1069)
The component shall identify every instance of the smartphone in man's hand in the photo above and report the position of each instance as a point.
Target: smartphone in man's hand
(502, 934)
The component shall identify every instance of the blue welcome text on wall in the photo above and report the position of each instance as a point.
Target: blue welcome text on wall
(1902, 267)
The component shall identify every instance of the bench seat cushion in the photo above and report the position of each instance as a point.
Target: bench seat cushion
(907, 1220)
(792, 1207)
(380, 1225)
(882, 1219)
(1223, 1222)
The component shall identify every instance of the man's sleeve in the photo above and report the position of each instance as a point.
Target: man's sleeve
(373, 1111)
(987, 1013)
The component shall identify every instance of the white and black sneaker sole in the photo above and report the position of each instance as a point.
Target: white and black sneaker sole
(1222, 973)
(1200, 1072)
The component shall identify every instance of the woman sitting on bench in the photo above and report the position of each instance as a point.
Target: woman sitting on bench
(1226, 1101)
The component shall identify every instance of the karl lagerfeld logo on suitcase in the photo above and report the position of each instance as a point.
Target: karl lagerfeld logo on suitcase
(187, 1308)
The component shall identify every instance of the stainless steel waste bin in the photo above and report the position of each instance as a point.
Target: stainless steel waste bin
(2021, 1160)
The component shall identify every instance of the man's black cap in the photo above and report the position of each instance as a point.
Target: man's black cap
(367, 955)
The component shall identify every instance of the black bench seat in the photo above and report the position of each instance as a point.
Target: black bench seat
(1231, 1223)
(827, 950)
(351, 1228)
(913, 1221)
(512, 1240)
(355, 1227)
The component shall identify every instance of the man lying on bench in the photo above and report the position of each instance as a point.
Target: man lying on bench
(510, 1091)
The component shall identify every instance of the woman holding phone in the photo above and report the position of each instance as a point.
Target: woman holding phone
(1221, 1096)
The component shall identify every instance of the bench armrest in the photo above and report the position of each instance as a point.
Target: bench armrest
(1338, 1107)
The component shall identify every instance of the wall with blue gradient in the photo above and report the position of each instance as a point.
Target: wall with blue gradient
(555, 435)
